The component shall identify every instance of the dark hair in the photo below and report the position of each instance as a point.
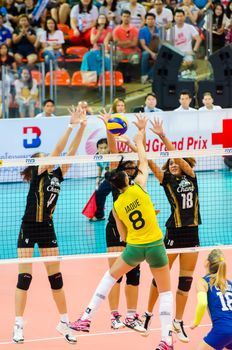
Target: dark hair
(185, 92)
(190, 161)
(47, 101)
(220, 18)
(228, 10)
(30, 80)
(6, 47)
(150, 15)
(46, 25)
(179, 11)
(27, 172)
(207, 93)
(23, 16)
(150, 94)
(117, 178)
(113, 5)
(101, 142)
(106, 24)
(126, 12)
(82, 8)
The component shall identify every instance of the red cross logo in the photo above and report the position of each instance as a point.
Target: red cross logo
(223, 138)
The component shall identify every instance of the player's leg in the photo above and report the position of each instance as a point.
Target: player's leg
(204, 346)
(157, 259)
(153, 296)
(56, 283)
(187, 266)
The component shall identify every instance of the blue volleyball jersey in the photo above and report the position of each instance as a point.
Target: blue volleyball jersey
(219, 304)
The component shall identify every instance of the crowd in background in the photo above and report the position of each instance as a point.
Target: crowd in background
(31, 31)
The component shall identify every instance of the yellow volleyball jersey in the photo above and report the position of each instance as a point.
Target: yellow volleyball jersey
(135, 209)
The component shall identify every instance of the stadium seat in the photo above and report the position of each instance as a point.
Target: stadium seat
(60, 78)
(117, 79)
(75, 53)
(37, 75)
(65, 29)
(77, 80)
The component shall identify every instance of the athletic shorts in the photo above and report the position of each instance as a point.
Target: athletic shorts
(219, 337)
(182, 237)
(154, 253)
(113, 238)
(25, 51)
(42, 233)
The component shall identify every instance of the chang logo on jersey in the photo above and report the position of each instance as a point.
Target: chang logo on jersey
(31, 137)
(185, 186)
(54, 185)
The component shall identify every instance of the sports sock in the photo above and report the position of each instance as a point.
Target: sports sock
(19, 321)
(100, 294)
(131, 313)
(64, 318)
(149, 313)
(165, 312)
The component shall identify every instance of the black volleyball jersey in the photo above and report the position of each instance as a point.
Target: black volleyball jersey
(42, 196)
(182, 194)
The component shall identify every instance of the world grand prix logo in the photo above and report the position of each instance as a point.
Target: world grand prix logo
(31, 137)
(223, 138)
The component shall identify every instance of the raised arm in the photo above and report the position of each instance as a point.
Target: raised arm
(157, 128)
(142, 176)
(75, 119)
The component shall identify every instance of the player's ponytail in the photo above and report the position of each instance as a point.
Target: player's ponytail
(117, 178)
(217, 270)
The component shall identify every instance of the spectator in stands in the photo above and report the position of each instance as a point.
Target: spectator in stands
(110, 11)
(119, 106)
(137, 12)
(100, 34)
(149, 41)
(229, 23)
(164, 16)
(48, 109)
(228, 162)
(51, 40)
(6, 59)
(64, 11)
(85, 107)
(24, 39)
(208, 103)
(191, 12)
(185, 98)
(5, 33)
(171, 5)
(183, 37)
(218, 27)
(83, 19)
(26, 93)
(126, 37)
(12, 12)
(150, 104)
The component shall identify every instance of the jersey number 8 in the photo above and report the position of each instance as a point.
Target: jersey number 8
(137, 220)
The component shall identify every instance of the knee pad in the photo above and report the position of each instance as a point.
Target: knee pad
(185, 283)
(119, 280)
(56, 281)
(133, 276)
(24, 281)
(154, 283)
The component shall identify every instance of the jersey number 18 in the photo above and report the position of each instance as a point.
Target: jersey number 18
(226, 300)
(187, 200)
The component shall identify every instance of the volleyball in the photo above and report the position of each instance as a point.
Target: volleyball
(117, 125)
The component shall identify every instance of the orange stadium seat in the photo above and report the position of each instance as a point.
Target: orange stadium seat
(37, 75)
(117, 79)
(60, 78)
(65, 29)
(77, 51)
(77, 80)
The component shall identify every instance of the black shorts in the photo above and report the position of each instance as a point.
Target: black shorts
(25, 51)
(42, 233)
(113, 237)
(182, 237)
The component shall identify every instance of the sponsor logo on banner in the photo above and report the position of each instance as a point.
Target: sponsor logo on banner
(228, 150)
(98, 157)
(164, 154)
(31, 137)
(30, 160)
(1, 162)
(223, 138)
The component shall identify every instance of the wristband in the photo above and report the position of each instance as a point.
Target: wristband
(70, 126)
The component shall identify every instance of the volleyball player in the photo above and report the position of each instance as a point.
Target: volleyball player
(37, 227)
(215, 292)
(180, 185)
(115, 244)
(137, 224)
